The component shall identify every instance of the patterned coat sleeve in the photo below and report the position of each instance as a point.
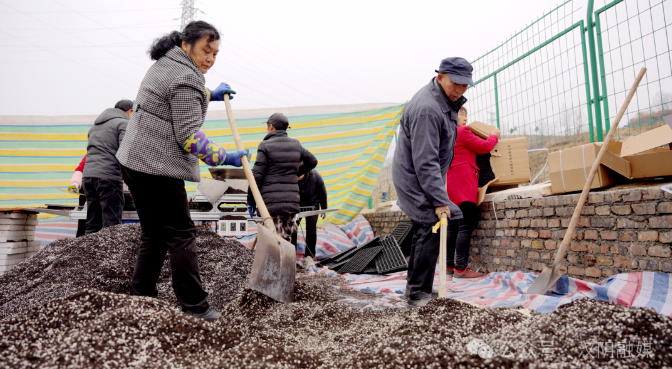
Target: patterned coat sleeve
(186, 96)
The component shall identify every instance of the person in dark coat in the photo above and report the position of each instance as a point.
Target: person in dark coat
(313, 193)
(161, 150)
(427, 133)
(462, 188)
(102, 183)
(276, 172)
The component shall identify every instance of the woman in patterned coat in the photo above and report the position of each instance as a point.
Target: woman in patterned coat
(160, 151)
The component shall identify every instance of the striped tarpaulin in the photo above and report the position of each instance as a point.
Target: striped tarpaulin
(37, 161)
(641, 289)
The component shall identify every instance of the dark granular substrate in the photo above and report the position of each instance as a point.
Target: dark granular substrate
(105, 261)
(93, 329)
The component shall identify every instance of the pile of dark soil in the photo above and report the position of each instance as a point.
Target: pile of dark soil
(93, 329)
(105, 261)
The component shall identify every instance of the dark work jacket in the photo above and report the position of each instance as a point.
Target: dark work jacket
(426, 140)
(312, 190)
(276, 172)
(104, 140)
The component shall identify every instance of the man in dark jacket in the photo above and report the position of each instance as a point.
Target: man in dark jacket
(276, 172)
(314, 194)
(103, 185)
(427, 134)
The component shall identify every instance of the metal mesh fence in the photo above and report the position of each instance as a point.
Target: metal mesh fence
(632, 34)
(543, 82)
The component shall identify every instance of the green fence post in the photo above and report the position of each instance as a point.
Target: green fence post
(585, 71)
(371, 202)
(496, 101)
(593, 67)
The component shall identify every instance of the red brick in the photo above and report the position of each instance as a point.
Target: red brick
(593, 248)
(533, 255)
(550, 245)
(578, 246)
(539, 223)
(604, 249)
(588, 210)
(493, 252)
(522, 233)
(665, 237)
(665, 207)
(608, 235)
(614, 250)
(515, 244)
(573, 258)
(499, 233)
(524, 223)
(588, 259)
(590, 234)
(513, 223)
(661, 222)
(629, 223)
(603, 210)
(627, 236)
(505, 243)
(501, 252)
(607, 273)
(583, 222)
(510, 213)
(497, 260)
(644, 209)
(621, 209)
(637, 249)
(660, 251)
(526, 243)
(511, 253)
(624, 262)
(666, 266)
(546, 256)
(604, 260)
(554, 223)
(510, 232)
(593, 272)
(651, 194)
(649, 264)
(595, 198)
(544, 233)
(539, 202)
(576, 270)
(647, 236)
(600, 222)
(633, 195)
(532, 234)
(521, 214)
(612, 197)
(548, 212)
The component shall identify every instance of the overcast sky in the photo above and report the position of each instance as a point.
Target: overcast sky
(80, 57)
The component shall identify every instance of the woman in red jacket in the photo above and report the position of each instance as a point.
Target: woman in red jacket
(462, 187)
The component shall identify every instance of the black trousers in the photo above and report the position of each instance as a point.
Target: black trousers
(104, 203)
(81, 224)
(163, 208)
(422, 261)
(459, 236)
(311, 235)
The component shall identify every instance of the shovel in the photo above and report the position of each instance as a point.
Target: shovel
(274, 266)
(552, 273)
(443, 224)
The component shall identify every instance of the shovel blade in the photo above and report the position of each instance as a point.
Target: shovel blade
(274, 267)
(545, 280)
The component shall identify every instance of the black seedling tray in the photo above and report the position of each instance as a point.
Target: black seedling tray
(390, 259)
(337, 265)
(371, 268)
(402, 234)
(344, 255)
(361, 259)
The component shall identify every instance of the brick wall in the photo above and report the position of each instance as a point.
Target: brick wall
(383, 223)
(619, 232)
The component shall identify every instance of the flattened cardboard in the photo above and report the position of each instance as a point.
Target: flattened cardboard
(569, 168)
(646, 141)
(481, 129)
(482, 190)
(509, 158)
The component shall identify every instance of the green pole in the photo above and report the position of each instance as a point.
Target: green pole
(371, 202)
(496, 101)
(593, 68)
(586, 76)
(603, 76)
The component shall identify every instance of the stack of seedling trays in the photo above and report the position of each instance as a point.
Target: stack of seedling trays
(378, 256)
(402, 234)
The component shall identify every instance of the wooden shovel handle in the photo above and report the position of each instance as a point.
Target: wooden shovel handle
(562, 251)
(268, 222)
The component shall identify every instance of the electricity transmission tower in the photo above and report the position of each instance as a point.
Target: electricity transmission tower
(188, 12)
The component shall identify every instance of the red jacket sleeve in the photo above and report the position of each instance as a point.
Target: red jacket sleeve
(80, 167)
(477, 144)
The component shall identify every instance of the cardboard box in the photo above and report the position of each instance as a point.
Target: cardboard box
(509, 158)
(645, 157)
(569, 168)
(481, 130)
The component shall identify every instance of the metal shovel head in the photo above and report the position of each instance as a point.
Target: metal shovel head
(274, 267)
(545, 280)
(212, 188)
